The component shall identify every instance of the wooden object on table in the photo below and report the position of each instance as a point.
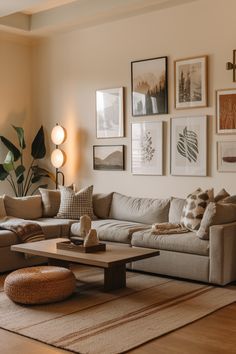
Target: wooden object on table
(67, 245)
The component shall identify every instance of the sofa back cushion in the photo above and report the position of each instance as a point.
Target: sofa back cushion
(143, 210)
(102, 205)
(28, 208)
(50, 201)
(176, 209)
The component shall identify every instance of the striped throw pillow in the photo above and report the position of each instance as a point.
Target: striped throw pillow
(74, 205)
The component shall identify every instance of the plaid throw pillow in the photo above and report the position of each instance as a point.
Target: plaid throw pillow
(74, 205)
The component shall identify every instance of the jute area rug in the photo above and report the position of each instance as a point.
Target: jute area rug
(95, 322)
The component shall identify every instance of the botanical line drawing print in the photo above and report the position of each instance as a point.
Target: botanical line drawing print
(147, 148)
(187, 145)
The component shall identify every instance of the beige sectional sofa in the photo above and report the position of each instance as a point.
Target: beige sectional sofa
(127, 221)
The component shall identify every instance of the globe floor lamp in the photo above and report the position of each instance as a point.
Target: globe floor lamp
(58, 136)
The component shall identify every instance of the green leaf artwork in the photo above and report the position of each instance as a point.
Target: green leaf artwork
(187, 145)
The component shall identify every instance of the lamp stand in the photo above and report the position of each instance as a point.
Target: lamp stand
(57, 178)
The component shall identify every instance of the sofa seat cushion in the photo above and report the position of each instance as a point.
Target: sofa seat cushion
(111, 230)
(55, 227)
(187, 242)
(7, 238)
(141, 210)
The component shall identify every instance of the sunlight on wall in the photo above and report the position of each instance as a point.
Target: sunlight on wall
(71, 146)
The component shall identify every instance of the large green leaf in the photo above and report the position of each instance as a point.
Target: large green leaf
(38, 149)
(8, 162)
(20, 134)
(3, 173)
(20, 179)
(16, 152)
(20, 170)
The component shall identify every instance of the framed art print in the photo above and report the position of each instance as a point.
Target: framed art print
(226, 111)
(191, 82)
(110, 113)
(149, 87)
(108, 157)
(189, 146)
(226, 156)
(147, 146)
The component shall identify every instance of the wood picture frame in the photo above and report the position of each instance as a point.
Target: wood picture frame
(149, 86)
(191, 82)
(109, 157)
(110, 113)
(226, 111)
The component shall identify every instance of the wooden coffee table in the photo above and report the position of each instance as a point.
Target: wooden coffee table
(113, 260)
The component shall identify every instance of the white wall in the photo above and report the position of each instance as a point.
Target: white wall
(15, 90)
(67, 69)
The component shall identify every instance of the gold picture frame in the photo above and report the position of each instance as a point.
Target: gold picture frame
(191, 82)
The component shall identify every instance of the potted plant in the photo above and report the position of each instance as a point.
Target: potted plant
(24, 180)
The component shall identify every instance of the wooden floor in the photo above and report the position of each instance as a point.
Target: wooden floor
(213, 334)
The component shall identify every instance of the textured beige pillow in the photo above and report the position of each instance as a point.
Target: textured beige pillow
(194, 207)
(2, 208)
(216, 214)
(221, 195)
(74, 205)
(51, 201)
(28, 208)
(102, 204)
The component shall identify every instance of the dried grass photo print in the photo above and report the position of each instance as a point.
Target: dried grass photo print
(191, 82)
(226, 111)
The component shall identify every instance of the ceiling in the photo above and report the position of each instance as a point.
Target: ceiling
(45, 17)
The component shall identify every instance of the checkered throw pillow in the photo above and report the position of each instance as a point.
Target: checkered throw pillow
(74, 205)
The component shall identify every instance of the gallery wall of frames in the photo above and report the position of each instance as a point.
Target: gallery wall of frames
(188, 134)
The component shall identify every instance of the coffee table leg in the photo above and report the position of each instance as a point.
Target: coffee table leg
(58, 263)
(114, 277)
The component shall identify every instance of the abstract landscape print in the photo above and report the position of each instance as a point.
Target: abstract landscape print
(189, 146)
(226, 111)
(149, 87)
(191, 82)
(226, 156)
(108, 157)
(147, 155)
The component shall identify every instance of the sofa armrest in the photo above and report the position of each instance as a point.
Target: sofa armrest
(222, 242)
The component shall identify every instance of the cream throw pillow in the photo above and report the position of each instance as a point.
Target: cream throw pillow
(194, 207)
(28, 208)
(216, 214)
(51, 201)
(74, 205)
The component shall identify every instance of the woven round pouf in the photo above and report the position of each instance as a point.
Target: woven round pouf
(39, 285)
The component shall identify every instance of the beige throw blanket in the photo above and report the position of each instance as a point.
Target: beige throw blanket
(26, 231)
(167, 228)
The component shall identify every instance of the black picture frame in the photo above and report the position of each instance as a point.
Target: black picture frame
(149, 86)
(109, 157)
